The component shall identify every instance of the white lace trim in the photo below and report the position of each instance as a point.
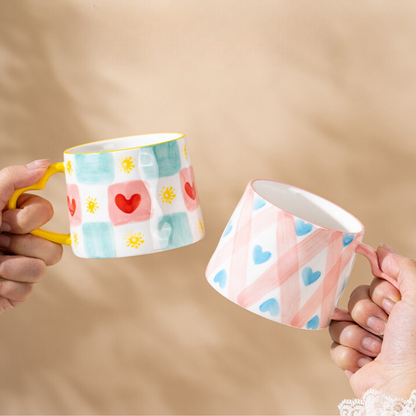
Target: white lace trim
(376, 403)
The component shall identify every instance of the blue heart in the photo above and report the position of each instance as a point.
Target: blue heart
(260, 256)
(258, 203)
(309, 277)
(228, 229)
(348, 239)
(221, 278)
(313, 323)
(302, 227)
(270, 306)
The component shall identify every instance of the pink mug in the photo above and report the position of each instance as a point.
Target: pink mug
(286, 254)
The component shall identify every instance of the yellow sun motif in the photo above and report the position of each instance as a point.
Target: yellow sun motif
(69, 167)
(200, 226)
(92, 205)
(185, 151)
(134, 240)
(126, 164)
(167, 195)
(76, 241)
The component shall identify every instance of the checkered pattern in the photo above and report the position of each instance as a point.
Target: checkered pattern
(131, 202)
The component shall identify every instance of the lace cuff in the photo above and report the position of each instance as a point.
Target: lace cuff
(376, 403)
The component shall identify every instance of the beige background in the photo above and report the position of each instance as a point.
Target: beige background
(319, 94)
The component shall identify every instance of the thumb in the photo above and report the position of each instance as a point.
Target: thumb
(17, 177)
(399, 268)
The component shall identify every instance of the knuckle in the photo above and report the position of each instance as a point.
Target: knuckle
(358, 292)
(349, 335)
(7, 173)
(18, 268)
(343, 357)
(358, 310)
(54, 255)
(47, 210)
(38, 269)
(408, 269)
(26, 291)
(382, 290)
(340, 355)
(15, 292)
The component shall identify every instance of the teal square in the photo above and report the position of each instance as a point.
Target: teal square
(161, 160)
(98, 240)
(94, 169)
(175, 231)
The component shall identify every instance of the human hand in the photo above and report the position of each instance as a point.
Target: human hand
(378, 350)
(23, 256)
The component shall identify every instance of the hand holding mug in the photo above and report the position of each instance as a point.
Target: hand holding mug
(23, 257)
(380, 309)
(129, 196)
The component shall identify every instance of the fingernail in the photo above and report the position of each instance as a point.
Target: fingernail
(363, 361)
(37, 164)
(5, 227)
(372, 344)
(376, 324)
(388, 248)
(388, 305)
(4, 240)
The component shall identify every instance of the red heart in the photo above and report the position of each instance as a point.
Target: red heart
(71, 206)
(127, 205)
(190, 190)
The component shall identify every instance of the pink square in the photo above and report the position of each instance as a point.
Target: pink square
(74, 205)
(129, 202)
(188, 186)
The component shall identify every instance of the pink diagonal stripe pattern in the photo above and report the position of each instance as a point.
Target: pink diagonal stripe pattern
(290, 290)
(330, 287)
(285, 267)
(315, 300)
(259, 224)
(239, 257)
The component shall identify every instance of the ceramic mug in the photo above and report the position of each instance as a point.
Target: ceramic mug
(127, 196)
(286, 254)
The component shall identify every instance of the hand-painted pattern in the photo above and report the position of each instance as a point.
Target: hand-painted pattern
(92, 205)
(134, 240)
(126, 164)
(135, 201)
(167, 194)
(302, 269)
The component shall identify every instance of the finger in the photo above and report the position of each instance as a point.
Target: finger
(400, 268)
(353, 336)
(33, 213)
(22, 269)
(15, 292)
(17, 177)
(365, 312)
(30, 246)
(384, 294)
(348, 359)
(7, 304)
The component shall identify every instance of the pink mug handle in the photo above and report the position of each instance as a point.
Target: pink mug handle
(371, 255)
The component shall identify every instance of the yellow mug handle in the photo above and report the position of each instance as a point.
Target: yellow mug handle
(47, 235)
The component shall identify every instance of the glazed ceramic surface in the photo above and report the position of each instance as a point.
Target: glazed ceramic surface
(286, 255)
(134, 195)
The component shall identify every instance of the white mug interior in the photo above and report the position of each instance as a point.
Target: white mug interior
(307, 206)
(125, 143)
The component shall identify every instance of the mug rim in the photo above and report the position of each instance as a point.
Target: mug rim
(70, 152)
(251, 183)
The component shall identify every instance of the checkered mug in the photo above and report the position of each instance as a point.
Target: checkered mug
(286, 255)
(127, 196)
